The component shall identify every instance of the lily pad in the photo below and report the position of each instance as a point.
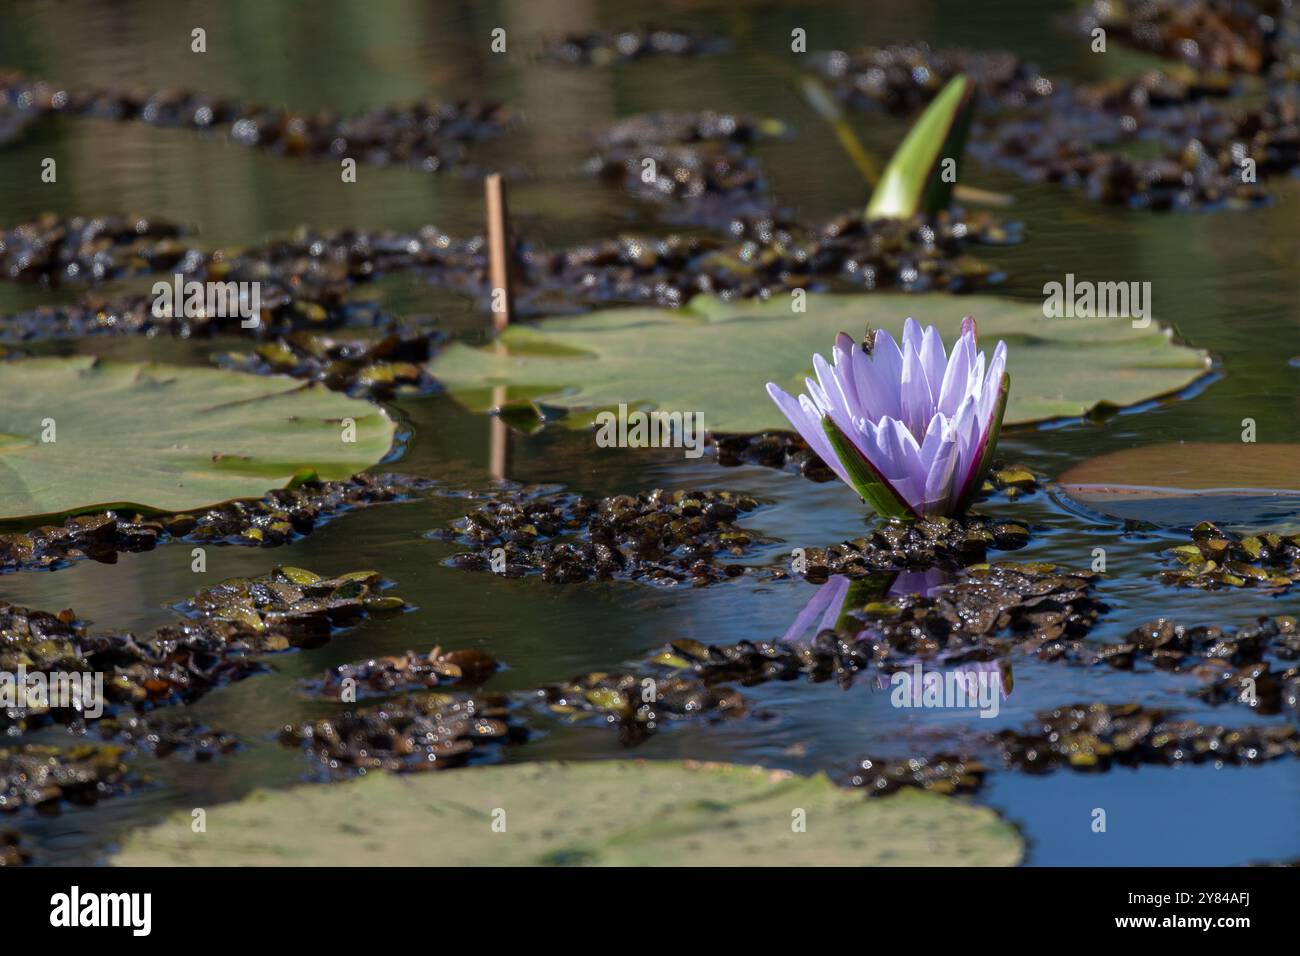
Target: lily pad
(715, 357)
(166, 438)
(616, 813)
(1235, 483)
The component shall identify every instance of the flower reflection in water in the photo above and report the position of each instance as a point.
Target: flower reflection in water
(970, 683)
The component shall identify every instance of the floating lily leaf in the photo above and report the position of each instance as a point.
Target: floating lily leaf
(715, 357)
(913, 182)
(167, 438)
(1235, 484)
(615, 813)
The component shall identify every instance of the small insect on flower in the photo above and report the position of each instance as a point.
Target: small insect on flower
(912, 429)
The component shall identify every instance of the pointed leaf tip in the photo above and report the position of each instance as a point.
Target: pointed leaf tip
(914, 181)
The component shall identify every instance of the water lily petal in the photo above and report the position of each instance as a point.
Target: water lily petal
(807, 422)
(939, 455)
(956, 378)
(934, 360)
(842, 399)
(898, 459)
(910, 427)
(827, 601)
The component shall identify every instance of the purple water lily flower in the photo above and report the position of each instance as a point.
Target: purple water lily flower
(911, 429)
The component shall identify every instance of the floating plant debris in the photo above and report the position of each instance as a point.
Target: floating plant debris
(81, 249)
(289, 606)
(226, 626)
(306, 277)
(169, 668)
(760, 257)
(1255, 685)
(705, 126)
(42, 778)
(928, 542)
(678, 537)
(1239, 36)
(620, 699)
(1074, 140)
(164, 738)
(702, 169)
(1088, 738)
(1172, 646)
(1223, 559)
(902, 78)
(380, 369)
(608, 48)
(279, 517)
(784, 450)
(980, 615)
(381, 676)
(1095, 737)
(431, 136)
(413, 732)
(662, 537)
(941, 773)
(750, 663)
(283, 312)
(1036, 608)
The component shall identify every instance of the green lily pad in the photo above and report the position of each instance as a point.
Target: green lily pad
(715, 357)
(1235, 484)
(616, 813)
(167, 438)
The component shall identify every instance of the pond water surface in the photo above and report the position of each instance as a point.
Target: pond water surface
(1227, 282)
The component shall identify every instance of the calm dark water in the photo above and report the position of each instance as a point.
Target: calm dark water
(1226, 282)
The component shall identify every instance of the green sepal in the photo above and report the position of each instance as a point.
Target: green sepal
(869, 483)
